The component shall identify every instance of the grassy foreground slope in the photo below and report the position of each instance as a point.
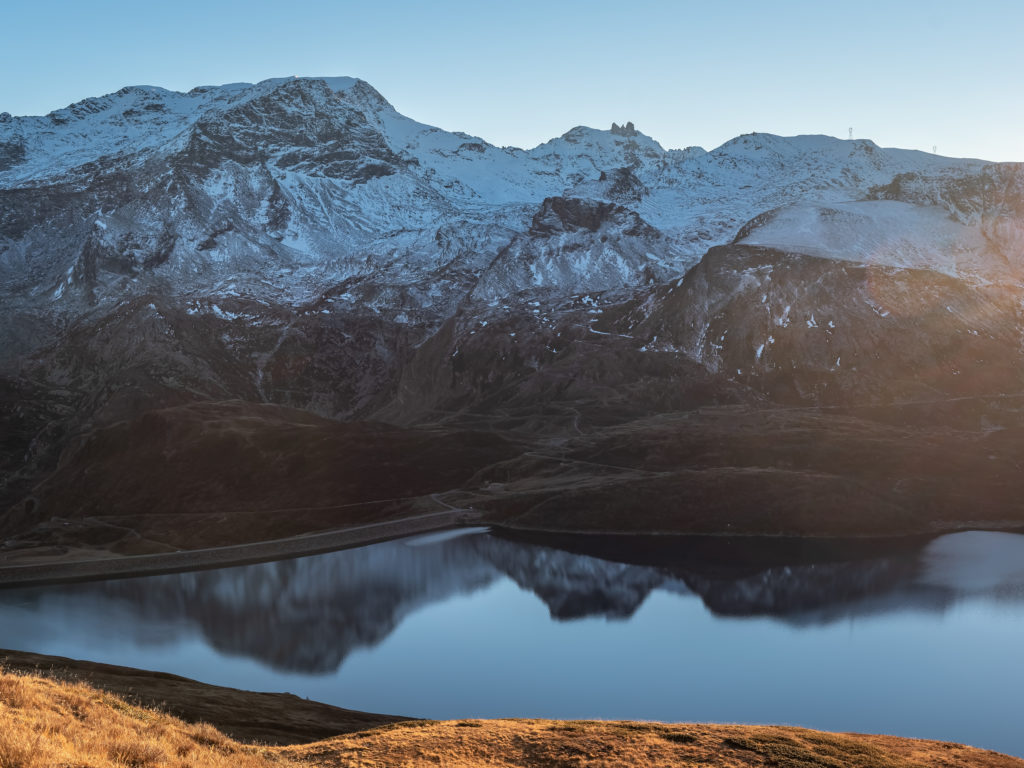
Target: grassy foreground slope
(52, 722)
(267, 718)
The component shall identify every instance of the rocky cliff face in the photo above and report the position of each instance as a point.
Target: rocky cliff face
(299, 243)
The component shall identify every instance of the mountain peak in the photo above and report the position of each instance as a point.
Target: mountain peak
(613, 139)
(337, 84)
(352, 89)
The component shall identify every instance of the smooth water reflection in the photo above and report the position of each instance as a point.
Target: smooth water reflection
(918, 640)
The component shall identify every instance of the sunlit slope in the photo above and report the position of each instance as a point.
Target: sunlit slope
(46, 722)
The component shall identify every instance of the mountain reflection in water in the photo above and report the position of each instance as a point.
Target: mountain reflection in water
(308, 614)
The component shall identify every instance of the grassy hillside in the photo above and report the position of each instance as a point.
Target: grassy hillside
(47, 722)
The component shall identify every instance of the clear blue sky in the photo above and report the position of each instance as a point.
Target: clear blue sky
(904, 73)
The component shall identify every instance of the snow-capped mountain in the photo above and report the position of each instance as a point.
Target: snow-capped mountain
(301, 184)
(300, 242)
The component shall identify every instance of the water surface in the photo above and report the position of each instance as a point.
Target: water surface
(916, 640)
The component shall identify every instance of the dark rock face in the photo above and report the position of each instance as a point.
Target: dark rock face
(300, 127)
(809, 330)
(624, 130)
(558, 215)
(995, 190)
(624, 185)
(594, 244)
(11, 153)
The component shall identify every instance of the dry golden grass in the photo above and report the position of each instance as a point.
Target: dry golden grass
(589, 744)
(245, 716)
(49, 724)
(46, 723)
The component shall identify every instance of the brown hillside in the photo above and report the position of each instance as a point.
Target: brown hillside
(51, 722)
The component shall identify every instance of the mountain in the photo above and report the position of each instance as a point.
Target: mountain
(297, 251)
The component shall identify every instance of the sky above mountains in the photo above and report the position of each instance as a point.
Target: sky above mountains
(911, 74)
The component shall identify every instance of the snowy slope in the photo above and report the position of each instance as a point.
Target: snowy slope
(295, 188)
(134, 120)
(882, 232)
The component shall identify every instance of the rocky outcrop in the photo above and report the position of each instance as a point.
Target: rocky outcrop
(589, 244)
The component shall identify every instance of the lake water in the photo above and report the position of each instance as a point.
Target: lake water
(918, 639)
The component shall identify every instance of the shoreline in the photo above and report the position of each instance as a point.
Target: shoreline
(130, 566)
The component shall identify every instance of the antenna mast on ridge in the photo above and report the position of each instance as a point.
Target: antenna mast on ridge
(851, 134)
